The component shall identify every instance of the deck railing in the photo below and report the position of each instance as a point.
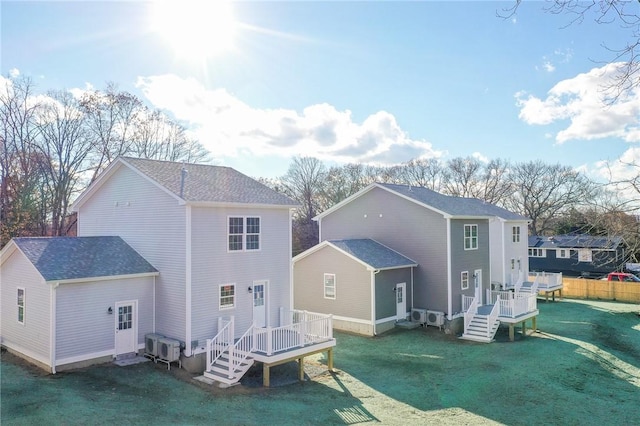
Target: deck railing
(513, 304)
(547, 279)
(221, 342)
(471, 310)
(466, 302)
(303, 328)
(491, 319)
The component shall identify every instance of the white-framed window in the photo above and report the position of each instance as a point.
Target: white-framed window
(329, 286)
(464, 280)
(537, 252)
(562, 253)
(21, 305)
(471, 237)
(227, 296)
(515, 234)
(243, 233)
(513, 264)
(585, 255)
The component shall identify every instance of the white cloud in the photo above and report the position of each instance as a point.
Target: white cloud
(621, 171)
(548, 66)
(580, 100)
(228, 127)
(482, 158)
(14, 72)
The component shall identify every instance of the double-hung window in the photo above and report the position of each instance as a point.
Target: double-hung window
(329, 286)
(21, 305)
(516, 234)
(227, 296)
(244, 233)
(471, 237)
(464, 280)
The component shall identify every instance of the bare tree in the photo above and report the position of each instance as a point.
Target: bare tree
(65, 144)
(462, 177)
(342, 182)
(542, 192)
(425, 173)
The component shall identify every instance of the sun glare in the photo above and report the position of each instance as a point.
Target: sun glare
(195, 29)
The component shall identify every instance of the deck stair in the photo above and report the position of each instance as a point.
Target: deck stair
(480, 322)
(219, 370)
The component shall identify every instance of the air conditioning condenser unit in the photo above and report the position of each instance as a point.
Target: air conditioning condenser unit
(168, 349)
(419, 315)
(435, 318)
(151, 344)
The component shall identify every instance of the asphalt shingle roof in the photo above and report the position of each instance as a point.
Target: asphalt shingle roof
(455, 206)
(575, 241)
(66, 258)
(207, 183)
(373, 253)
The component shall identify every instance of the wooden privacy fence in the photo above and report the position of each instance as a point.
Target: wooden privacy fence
(579, 288)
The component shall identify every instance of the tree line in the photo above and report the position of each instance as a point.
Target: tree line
(53, 146)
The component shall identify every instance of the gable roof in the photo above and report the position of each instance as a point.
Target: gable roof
(446, 205)
(575, 241)
(202, 183)
(372, 254)
(74, 258)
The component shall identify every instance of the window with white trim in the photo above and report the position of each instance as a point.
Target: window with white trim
(21, 305)
(227, 296)
(516, 234)
(562, 253)
(537, 252)
(329, 286)
(464, 280)
(513, 264)
(471, 237)
(243, 233)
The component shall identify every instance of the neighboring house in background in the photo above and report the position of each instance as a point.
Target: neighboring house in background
(63, 297)
(359, 286)
(577, 255)
(459, 245)
(221, 242)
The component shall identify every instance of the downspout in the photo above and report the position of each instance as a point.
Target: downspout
(449, 282)
(153, 312)
(374, 272)
(187, 343)
(52, 327)
(412, 268)
(291, 307)
(504, 254)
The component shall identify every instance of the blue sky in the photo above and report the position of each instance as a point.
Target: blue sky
(370, 82)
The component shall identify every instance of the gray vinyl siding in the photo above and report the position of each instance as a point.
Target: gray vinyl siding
(353, 285)
(152, 222)
(468, 260)
(413, 230)
(213, 264)
(385, 296)
(34, 335)
(84, 325)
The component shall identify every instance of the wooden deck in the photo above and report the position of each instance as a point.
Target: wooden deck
(513, 322)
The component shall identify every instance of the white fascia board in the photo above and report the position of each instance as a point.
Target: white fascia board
(238, 205)
(104, 278)
(7, 251)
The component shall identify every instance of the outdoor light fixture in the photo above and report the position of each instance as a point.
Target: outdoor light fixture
(249, 289)
(110, 310)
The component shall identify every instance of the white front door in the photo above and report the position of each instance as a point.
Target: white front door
(259, 303)
(401, 304)
(477, 282)
(126, 327)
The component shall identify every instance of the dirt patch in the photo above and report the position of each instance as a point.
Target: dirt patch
(582, 367)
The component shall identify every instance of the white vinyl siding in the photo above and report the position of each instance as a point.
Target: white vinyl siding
(329, 286)
(470, 237)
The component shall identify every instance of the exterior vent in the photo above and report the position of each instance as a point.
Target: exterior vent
(435, 318)
(419, 315)
(168, 350)
(151, 344)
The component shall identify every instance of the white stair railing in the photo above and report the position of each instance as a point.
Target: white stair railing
(220, 343)
(470, 312)
(491, 319)
(240, 351)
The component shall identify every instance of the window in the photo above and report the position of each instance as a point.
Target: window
(21, 305)
(227, 296)
(471, 237)
(244, 233)
(329, 286)
(516, 234)
(584, 255)
(513, 264)
(563, 253)
(464, 280)
(536, 252)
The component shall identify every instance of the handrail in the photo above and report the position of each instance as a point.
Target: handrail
(470, 312)
(493, 316)
(220, 343)
(240, 350)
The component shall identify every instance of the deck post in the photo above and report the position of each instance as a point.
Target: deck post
(301, 369)
(265, 375)
(533, 324)
(511, 332)
(330, 359)
(524, 328)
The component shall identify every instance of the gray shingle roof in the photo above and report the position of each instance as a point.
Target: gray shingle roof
(455, 206)
(575, 241)
(207, 183)
(373, 253)
(67, 258)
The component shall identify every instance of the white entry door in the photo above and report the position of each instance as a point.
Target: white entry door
(259, 303)
(126, 327)
(477, 282)
(401, 304)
